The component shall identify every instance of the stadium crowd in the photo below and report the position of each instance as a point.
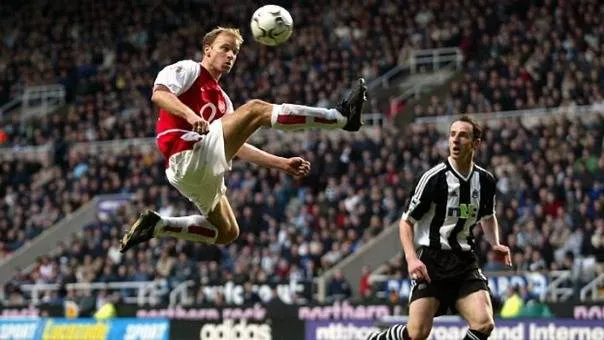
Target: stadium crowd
(297, 229)
(550, 176)
(107, 70)
(546, 54)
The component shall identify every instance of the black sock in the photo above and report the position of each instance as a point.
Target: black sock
(406, 334)
(396, 332)
(475, 335)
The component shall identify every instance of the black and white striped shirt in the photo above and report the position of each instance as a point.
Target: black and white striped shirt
(445, 206)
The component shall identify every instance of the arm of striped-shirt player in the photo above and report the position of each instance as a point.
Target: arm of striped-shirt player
(422, 196)
(487, 198)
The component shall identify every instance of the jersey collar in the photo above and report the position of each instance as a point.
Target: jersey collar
(207, 77)
(457, 174)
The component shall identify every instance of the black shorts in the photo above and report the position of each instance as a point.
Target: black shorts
(453, 275)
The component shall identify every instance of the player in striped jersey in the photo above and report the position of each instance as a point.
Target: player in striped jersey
(436, 235)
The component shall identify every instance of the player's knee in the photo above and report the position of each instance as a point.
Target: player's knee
(485, 327)
(258, 107)
(488, 327)
(419, 332)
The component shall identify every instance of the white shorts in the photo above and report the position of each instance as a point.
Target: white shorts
(199, 173)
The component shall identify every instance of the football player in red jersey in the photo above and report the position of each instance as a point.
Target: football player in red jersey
(199, 133)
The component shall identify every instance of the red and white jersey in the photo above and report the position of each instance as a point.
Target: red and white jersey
(196, 88)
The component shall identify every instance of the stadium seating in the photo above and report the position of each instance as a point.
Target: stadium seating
(544, 55)
(316, 222)
(550, 176)
(109, 82)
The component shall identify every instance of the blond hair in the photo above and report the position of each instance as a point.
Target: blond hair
(209, 38)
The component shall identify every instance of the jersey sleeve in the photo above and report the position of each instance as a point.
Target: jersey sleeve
(487, 202)
(178, 77)
(422, 198)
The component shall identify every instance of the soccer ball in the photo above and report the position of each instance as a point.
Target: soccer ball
(271, 25)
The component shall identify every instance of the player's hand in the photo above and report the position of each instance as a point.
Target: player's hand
(502, 254)
(297, 167)
(417, 270)
(199, 125)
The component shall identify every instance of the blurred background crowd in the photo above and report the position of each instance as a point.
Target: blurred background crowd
(518, 55)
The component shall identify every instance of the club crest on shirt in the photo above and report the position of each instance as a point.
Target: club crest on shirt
(475, 193)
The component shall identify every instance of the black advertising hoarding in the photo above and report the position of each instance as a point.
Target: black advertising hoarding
(593, 310)
(257, 322)
(287, 292)
(269, 321)
(236, 330)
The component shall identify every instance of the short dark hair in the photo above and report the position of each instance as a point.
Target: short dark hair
(476, 128)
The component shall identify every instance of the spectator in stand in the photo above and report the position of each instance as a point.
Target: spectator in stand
(338, 288)
(513, 303)
(250, 297)
(364, 283)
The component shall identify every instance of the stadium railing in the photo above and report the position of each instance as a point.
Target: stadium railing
(405, 81)
(555, 290)
(528, 117)
(180, 293)
(116, 145)
(143, 292)
(36, 101)
(437, 58)
(592, 289)
(42, 153)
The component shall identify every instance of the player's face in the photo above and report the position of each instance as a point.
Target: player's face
(223, 52)
(461, 142)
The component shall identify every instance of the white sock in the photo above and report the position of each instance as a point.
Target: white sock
(298, 117)
(194, 228)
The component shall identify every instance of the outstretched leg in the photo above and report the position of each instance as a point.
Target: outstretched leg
(248, 118)
(220, 227)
